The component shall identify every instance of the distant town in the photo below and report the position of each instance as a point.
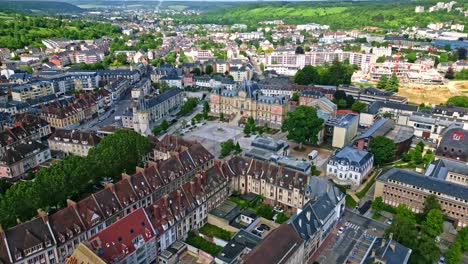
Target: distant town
(185, 132)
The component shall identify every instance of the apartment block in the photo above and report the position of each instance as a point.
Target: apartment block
(397, 186)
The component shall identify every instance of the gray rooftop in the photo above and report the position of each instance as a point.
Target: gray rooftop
(428, 183)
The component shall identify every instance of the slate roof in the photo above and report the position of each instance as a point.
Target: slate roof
(149, 103)
(441, 167)
(277, 247)
(429, 183)
(351, 156)
(237, 244)
(374, 107)
(379, 128)
(389, 251)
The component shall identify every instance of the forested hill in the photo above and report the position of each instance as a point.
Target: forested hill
(45, 7)
(339, 15)
(19, 31)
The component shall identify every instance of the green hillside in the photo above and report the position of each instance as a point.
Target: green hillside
(339, 15)
(45, 7)
(19, 31)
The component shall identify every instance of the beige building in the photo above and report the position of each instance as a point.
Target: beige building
(73, 142)
(397, 186)
(247, 102)
(279, 185)
(26, 92)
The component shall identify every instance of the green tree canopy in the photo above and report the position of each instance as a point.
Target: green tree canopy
(303, 125)
(433, 224)
(460, 100)
(383, 149)
(382, 84)
(358, 106)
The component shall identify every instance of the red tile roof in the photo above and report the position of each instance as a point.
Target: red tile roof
(119, 239)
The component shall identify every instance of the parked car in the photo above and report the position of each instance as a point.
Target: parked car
(389, 221)
(259, 230)
(278, 209)
(256, 233)
(265, 227)
(341, 230)
(441, 260)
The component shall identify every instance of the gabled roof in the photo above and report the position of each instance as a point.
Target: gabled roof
(428, 183)
(66, 224)
(122, 238)
(277, 247)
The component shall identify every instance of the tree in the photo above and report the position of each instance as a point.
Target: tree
(461, 52)
(209, 69)
(358, 106)
(338, 95)
(306, 76)
(403, 227)
(247, 129)
(197, 71)
(454, 254)
(460, 100)
(383, 149)
(382, 84)
(411, 57)
(433, 225)
(450, 74)
(237, 148)
(342, 104)
(426, 251)
(227, 147)
(206, 109)
(381, 59)
(393, 83)
(349, 101)
(121, 58)
(299, 50)
(295, 97)
(431, 203)
(221, 116)
(303, 125)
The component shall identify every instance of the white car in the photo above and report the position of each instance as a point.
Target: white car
(389, 221)
(341, 230)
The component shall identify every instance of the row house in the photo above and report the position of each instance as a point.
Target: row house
(70, 113)
(279, 185)
(186, 180)
(22, 128)
(21, 158)
(73, 142)
(131, 239)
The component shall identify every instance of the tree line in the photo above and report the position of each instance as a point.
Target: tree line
(21, 31)
(337, 73)
(73, 177)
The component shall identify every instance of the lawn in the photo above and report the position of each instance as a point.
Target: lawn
(350, 202)
(214, 231)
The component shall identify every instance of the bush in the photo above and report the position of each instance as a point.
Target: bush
(281, 218)
(214, 231)
(202, 244)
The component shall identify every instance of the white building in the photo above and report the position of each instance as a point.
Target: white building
(350, 166)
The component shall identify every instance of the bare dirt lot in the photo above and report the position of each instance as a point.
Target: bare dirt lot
(433, 94)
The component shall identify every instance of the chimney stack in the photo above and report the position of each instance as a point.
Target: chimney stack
(71, 203)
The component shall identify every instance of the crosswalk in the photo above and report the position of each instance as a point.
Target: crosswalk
(351, 225)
